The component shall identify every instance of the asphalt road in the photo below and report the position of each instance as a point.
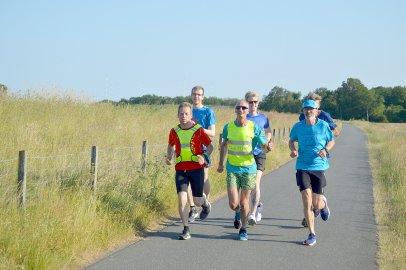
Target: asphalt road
(348, 240)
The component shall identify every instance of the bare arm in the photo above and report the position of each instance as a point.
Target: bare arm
(170, 151)
(324, 152)
(268, 134)
(211, 131)
(223, 151)
(293, 150)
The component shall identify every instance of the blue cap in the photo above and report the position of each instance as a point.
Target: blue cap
(310, 103)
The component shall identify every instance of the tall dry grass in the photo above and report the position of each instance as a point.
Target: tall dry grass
(64, 224)
(387, 147)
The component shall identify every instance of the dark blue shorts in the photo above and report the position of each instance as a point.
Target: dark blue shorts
(194, 177)
(260, 160)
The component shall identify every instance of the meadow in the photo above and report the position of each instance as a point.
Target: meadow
(387, 148)
(65, 224)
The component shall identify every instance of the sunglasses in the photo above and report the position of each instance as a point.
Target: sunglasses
(253, 102)
(241, 107)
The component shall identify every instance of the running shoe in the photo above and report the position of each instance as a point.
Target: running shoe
(316, 212)
(205, 210)
(185, 235)
(237, 220)
(251, 220)
(325, 212)
(304, 223)
(193, 214)
(311, 240)
(242, 234)
(258, 213)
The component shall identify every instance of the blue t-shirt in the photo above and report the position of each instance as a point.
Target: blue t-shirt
(204, 116)
(311, 140)
(325, 116)
(259, 138)
(263, 122)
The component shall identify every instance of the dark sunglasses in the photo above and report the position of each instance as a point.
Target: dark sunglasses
(253, 102)
(241, 107)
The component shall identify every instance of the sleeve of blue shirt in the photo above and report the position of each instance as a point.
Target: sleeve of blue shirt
(330, 121)
(212, 118)
(293, 134)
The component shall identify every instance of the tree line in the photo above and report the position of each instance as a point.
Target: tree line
(352, 100)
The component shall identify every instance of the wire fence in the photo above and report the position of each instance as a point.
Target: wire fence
(26, 178)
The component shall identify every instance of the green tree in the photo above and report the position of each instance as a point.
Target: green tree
(354, 100)
(281, 100)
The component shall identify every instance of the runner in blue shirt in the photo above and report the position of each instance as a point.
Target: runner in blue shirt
(315, 139)
(323, 116)
(204, 116)
(255, 213)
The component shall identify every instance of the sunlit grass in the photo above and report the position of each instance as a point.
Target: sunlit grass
(64, 223)
(387, 146)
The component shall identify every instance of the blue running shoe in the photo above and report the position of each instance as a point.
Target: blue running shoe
(243, 236)
(311, 240)
(237, 220)
(325, 212)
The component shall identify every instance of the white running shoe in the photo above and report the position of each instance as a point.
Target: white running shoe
(258, 213)
(251, 220)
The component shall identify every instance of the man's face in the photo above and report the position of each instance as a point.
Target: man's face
(253, 104)
(197, 96)
(184, 115)
(241, 109)
(310, 113)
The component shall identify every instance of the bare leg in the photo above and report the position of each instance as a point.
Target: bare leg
(207, 185)
(244, 202)
(190, 197)
(255, 194)
(307, 208)
(183, 211)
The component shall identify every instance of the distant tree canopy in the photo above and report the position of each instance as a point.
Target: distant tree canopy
(158, 100)
(352, 100)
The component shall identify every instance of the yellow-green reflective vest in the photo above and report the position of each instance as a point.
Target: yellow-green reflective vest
(185, 136)
(240, 152)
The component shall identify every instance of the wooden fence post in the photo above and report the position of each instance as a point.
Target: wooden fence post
(273, 133)
(283, 132)
(144, 157)
(279, 133)
(22, 178)
(93, 167)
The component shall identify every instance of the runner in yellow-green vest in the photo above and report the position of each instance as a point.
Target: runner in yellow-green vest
(239, 140)
(186, 141)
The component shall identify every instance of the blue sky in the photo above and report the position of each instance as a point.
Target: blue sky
(122, 49)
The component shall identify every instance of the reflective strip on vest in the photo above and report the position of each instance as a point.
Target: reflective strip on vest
(185, 136)
(240, 151)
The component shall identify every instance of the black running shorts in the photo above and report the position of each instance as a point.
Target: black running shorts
(194, 177)
(315, 180)
(260, 160)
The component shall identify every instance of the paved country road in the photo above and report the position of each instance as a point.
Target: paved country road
(348, 240)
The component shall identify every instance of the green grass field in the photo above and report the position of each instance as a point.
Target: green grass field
(64, 225)
(387, 148)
